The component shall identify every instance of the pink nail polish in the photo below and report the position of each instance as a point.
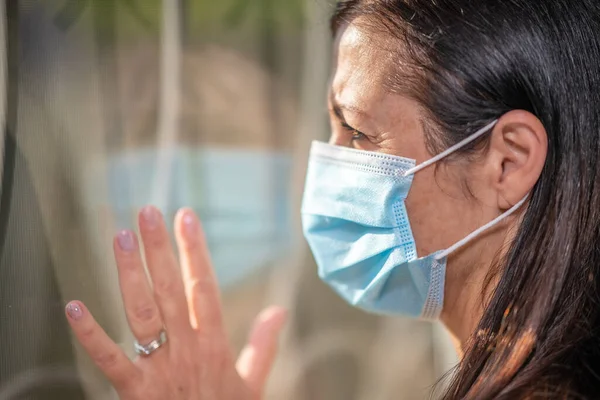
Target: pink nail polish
(74, 310)
(189, 222)
(126, 241)
(150, 216)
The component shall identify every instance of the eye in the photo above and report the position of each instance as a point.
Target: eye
(356, 134)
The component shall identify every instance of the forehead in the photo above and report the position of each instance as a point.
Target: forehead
(362, 68)
(359, 67)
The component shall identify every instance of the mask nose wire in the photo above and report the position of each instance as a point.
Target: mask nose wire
(450, 150)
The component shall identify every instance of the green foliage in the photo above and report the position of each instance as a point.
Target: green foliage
(200, 15)
(275, 12)
(104, 12)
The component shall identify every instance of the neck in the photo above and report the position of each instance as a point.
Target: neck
(464, 295)
(463, 303)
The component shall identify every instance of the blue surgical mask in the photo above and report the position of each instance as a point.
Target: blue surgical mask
(355, 220)
(242, 197)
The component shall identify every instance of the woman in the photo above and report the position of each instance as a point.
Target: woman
(461, 182)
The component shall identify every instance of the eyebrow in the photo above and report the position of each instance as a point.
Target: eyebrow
(339, 107)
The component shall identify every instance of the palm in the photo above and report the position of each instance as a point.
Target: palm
(197, 361)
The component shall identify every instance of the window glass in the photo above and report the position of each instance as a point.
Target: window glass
(109, 105)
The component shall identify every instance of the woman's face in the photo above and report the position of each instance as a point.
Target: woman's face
(364, 115)
(449, 200)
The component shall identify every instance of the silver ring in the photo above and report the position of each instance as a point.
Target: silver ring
(147, 349)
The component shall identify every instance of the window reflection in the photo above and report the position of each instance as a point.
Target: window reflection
(187, 103)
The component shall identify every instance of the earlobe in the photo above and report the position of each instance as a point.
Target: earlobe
(520, 145)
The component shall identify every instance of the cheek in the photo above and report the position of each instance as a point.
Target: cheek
(438, 210)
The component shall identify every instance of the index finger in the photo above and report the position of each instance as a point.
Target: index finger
(200, 283)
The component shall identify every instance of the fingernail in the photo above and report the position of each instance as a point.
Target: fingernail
(74, 310)
(189, 222)
(150, 216)
(126, 241)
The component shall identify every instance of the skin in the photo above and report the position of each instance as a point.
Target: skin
(364, 115)
(197, 361)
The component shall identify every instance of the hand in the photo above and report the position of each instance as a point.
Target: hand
(196, 362)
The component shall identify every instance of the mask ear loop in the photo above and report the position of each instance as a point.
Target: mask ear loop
(446, 153)
(451, 149)
(479, 231)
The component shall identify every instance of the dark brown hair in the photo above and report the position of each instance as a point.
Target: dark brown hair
(467, 63)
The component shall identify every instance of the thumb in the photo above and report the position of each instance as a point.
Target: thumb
(256, 359)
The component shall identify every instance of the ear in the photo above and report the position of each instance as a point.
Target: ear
(516, 157)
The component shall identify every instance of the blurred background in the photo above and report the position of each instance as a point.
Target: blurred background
(109, 105)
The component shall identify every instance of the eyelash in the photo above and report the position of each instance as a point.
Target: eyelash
(356, 134)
